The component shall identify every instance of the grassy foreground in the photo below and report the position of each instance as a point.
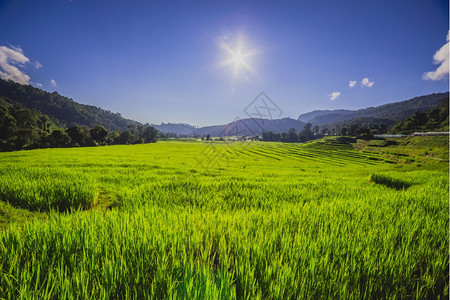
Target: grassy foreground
(225, 221)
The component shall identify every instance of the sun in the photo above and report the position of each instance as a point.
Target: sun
(238, 59)
(237, 55)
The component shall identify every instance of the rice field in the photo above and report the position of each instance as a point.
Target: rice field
(197, 220)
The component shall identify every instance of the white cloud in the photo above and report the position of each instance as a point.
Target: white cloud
(10, 58)
(38, 84)
(440, 57)
(367, 82)
(352, 83)
(53, 82)
(37, 65)
(334, 95)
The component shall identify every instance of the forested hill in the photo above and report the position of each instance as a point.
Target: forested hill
(393, 112)
(433, 120)
(63, 111)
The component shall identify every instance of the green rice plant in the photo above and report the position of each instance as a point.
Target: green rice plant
(388, 181)
(40, 189)
(306, 225)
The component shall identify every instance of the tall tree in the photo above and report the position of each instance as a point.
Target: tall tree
(76, 135)
(150, 134)
(99, 134)
(292, 136)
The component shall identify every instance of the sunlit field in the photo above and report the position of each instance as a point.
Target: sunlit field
(224, 220)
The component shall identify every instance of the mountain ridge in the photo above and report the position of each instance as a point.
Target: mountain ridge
(394, 111)
(305, 117)
(63, 111)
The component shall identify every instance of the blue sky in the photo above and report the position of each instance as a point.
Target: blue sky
(167, 61)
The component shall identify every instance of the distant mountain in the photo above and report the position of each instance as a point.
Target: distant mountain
(177, 128)
(247, 127)
(385, 115)
(62, 111)
(306, 117)
(250, 127)
(393, 112)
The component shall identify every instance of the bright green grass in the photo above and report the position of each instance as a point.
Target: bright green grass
(37, 188)
(223, 221)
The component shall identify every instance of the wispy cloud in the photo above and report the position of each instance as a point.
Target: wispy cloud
(367, 82)
(440, 58)
(10, 59)
(16, 48)
(334, 95)
(352, 83)
(38, 84)
(53, 83)
(37, 65)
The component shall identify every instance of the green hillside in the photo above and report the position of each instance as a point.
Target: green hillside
(433, 120)
(63, 111)
(25, 128)
(21, 127)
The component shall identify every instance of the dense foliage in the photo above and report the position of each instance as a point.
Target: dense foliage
(21, 127)
(433, 120)
(310, 133)
(226, 220)
(24, 128)
(375, 126)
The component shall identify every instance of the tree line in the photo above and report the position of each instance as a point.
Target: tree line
(311, 133)
(433, 120)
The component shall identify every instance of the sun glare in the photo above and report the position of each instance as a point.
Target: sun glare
(238, 59)
(236, 55)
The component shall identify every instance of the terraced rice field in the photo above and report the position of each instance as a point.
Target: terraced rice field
(223, 221)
